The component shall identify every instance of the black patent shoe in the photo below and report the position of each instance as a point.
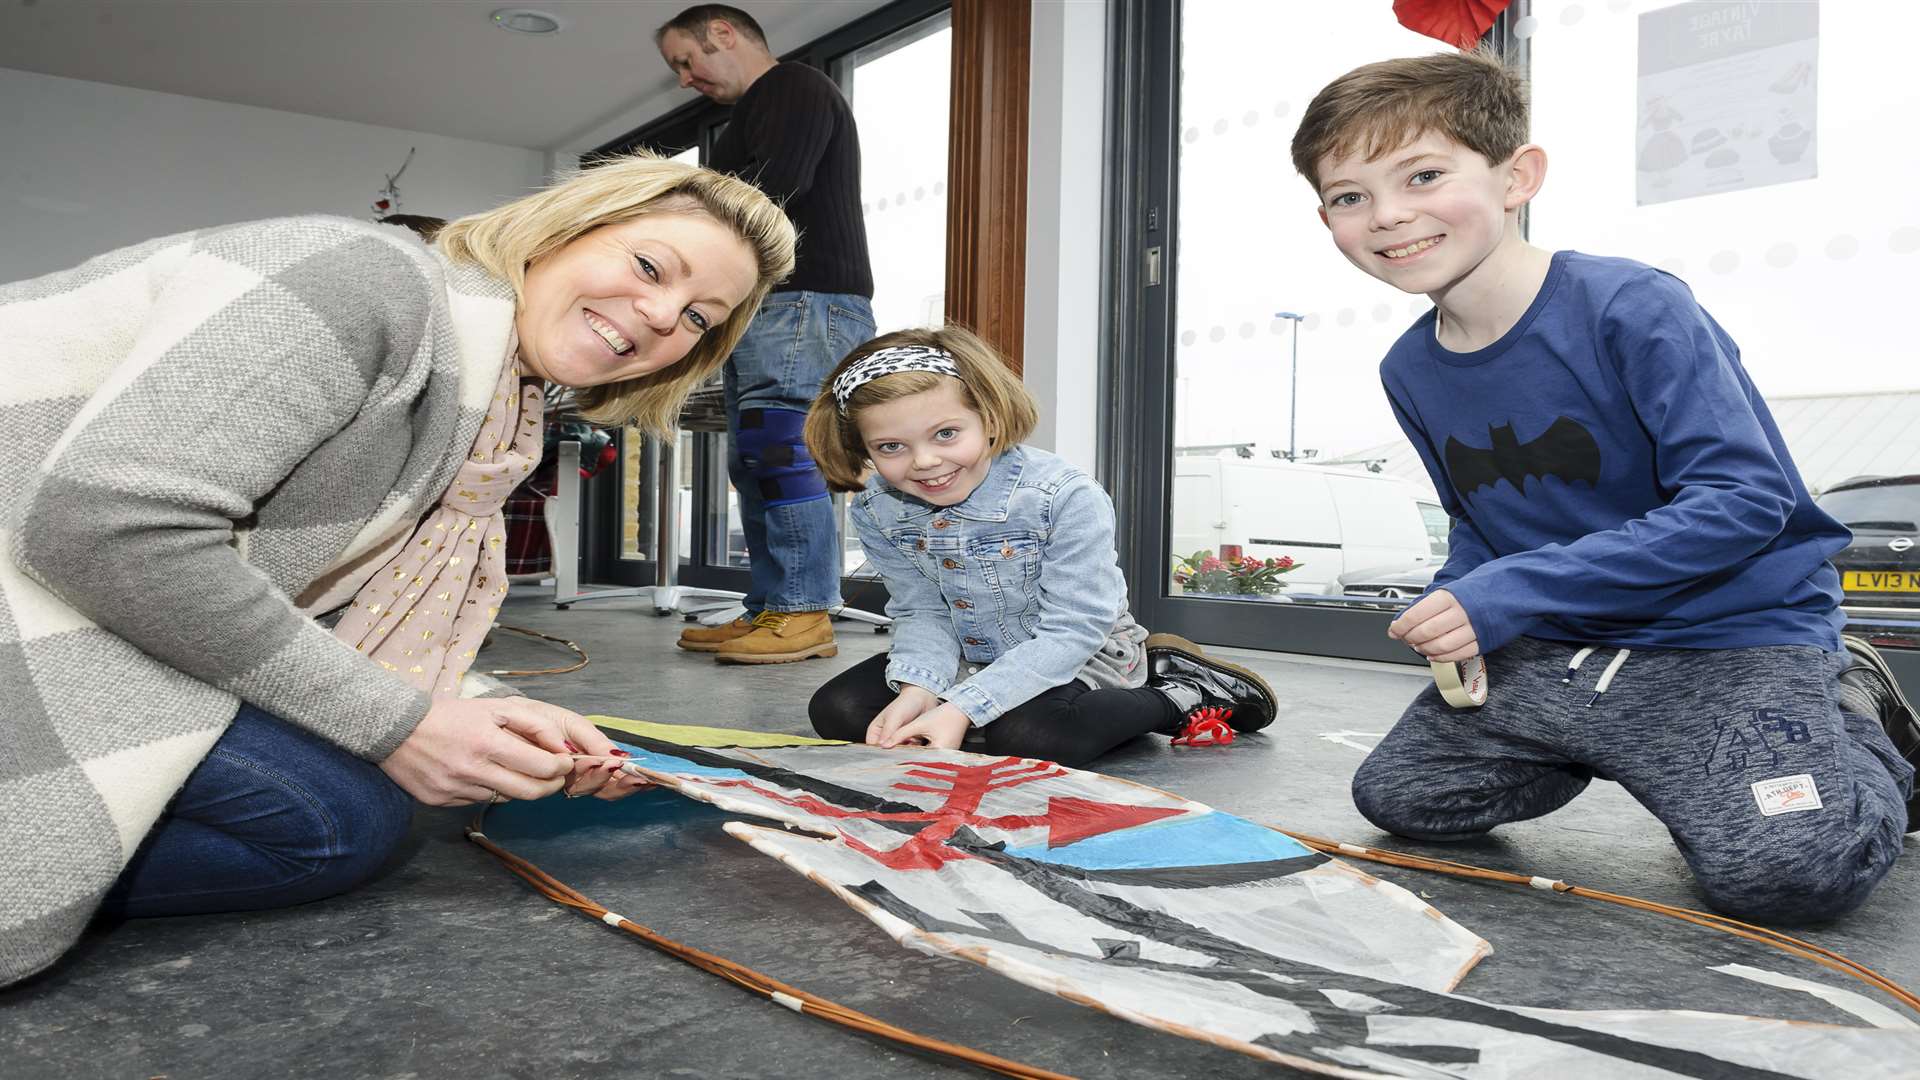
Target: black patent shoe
(1874, 679)
(1207, 690)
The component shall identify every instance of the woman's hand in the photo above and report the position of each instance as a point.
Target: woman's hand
(470, 750)
(906, 708)
(943, 727)
(603, 777)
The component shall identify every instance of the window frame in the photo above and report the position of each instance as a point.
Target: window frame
(698, 123)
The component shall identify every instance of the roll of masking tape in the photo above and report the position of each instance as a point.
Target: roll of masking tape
(1462, 685)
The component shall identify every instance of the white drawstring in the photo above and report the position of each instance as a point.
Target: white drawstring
(1574, 664)
(1606, 677)
(1606, 674)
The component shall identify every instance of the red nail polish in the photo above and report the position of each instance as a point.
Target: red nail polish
(617, 752)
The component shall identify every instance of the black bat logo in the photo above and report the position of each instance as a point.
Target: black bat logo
(1565, 450)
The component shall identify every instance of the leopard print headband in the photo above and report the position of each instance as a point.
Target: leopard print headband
(890, 361)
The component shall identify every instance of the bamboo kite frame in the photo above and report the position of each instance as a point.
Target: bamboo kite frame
(740, 975)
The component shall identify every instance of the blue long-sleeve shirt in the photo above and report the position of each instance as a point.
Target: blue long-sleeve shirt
(1613, 475)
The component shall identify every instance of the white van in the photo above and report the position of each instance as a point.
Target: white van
(1329, 520)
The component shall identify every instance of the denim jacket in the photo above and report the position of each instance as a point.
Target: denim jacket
(1019, 582)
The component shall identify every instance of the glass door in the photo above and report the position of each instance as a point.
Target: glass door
(1280, 507)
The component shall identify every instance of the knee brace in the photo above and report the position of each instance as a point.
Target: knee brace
(771, 447)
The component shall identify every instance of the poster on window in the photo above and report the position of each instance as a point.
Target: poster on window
(1726, 97)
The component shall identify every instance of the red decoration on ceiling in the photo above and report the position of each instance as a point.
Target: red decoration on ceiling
(1460, 23)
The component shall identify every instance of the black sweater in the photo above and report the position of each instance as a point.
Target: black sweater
(792, 135)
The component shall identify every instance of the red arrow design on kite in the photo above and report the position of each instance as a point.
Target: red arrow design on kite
(1067, 819)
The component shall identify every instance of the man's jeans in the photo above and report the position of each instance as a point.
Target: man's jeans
(273, 816)
(793, 343)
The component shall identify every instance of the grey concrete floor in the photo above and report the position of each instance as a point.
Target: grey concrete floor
(449, 967)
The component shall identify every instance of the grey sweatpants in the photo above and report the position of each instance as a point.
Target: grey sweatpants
(1777, 782)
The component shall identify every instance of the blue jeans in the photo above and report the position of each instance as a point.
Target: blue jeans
(792, 344)
(273, 816)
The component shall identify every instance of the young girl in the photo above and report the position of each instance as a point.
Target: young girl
(1010, 623)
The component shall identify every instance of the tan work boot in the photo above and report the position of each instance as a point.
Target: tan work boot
(709, 638)
(781, 637)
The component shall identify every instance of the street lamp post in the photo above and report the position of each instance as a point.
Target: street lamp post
(1293, 379)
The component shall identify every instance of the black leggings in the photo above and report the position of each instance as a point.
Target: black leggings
(1070, 724)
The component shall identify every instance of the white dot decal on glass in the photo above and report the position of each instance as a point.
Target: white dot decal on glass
(1382, 312)
(1526, 28)
(900, 199)
(1904, 241)
(1843, 246)
(1781, 255)
(1417, 307)
(1217, 335)
(1676, 267)
(1252, 117)
(1246, 331)
(939, 186)
(1619, 5)
(1280, 108)
(1724, 262)
(882, 204)
(1571, 14)
(1311, 322)
(1346, 317)
(1220, 126)
(1191, 134)
(919, 193)
(1188, 337)
(1277, 327)
(866, 208)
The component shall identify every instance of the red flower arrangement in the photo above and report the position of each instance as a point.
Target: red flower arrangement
(1204, 572)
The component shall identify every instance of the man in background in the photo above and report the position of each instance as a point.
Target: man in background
(792, 134)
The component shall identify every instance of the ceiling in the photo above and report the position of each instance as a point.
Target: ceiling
(438, 66)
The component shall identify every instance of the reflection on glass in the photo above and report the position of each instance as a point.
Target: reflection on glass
(1284, 464)
(1813, 289)
(736, 541)
(853, 557)
(637, 538)
(899, 90)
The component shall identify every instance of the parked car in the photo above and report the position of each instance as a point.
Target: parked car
(1881, 568)
(1403, 581)
(1328, 520)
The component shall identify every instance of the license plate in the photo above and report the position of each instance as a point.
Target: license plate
(1882, 581)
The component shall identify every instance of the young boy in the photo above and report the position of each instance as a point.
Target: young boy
(1620, 492)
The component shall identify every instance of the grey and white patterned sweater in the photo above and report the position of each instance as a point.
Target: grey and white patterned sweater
(191, 431)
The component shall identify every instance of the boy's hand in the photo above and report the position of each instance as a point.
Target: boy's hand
(1437, 627)
(943, 727)
(906, 708)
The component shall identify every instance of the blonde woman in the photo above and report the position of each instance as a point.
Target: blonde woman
(250, 500)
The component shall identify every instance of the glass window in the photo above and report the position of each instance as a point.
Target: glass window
(1746, 148)
(1279, 419)
(899, 90)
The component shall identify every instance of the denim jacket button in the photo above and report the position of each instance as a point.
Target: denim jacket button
(949, 564)
(962, 604)
(942, 523)
(921, 544)
(975, 641)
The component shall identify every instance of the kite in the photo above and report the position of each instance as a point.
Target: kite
(1179, 917)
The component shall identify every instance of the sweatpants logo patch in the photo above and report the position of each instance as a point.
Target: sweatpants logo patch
(1754, 742)
(1786, 794)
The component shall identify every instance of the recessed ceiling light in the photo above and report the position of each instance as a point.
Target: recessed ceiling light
(526, 21)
